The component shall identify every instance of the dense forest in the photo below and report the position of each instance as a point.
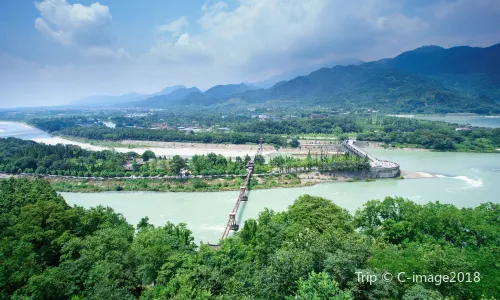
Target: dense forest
(434, 135)
(313, 250)
(119, 134)
(331, 125)
(390, 130)
(18, 156)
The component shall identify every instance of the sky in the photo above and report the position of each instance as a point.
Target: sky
(56, 51)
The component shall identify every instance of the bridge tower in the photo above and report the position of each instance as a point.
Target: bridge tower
(243, 195)
(261, 142)
(232, 221)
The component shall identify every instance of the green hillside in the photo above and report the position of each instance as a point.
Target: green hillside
(425, 80)
(373, 87)
(471, 71)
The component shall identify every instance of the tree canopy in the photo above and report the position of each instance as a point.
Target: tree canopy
(312, 250)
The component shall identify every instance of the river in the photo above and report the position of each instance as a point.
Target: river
(462, 179)
(26, 132)
(186, 150)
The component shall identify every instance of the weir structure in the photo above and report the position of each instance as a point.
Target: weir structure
(379, 168)
(243, 196)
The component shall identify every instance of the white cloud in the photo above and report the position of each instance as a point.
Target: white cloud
(248, 42)
(175, 27)
(106, 53)
(258, 37)
(85, 27)
(263, 35)
(182, 50)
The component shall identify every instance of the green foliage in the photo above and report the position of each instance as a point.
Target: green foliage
(313, 250)
(147, 155)
(17, 156)
(322, 163)
(319, 286)
(371, 86)
(432, 135)
(117, 134)
(294, 143)
(213, 164)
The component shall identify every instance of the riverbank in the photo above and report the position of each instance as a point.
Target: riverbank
(167, 149)
(175, 185)
(231, 183)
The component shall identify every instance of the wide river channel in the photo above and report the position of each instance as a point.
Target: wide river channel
(462, 179)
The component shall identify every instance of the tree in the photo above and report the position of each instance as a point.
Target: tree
(319, 286)
(418, 292)
(260, 160)
(144, 224)
(294, 143)
(147, 155)
(177, 164)
(338, 131)
(153, 246)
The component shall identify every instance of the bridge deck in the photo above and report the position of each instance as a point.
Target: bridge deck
(242, 196)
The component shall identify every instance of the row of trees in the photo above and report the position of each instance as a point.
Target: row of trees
(120, 134)
(212, 164)
(447, 139)
(322, 163)
(313, 250)
(17, 156)
(20, 156)
(331, 125)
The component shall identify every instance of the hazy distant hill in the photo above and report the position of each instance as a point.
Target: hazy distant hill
(163, 101)
(184, 96)
(102, 100)
(471, 71)
(169, 90)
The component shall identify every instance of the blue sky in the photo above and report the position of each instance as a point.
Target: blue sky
(56, 51)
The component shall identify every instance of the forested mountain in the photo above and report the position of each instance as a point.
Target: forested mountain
(426, 80)
(432, 60)
(227, 90)
(471, 71)
(289, 75)
(370, 86)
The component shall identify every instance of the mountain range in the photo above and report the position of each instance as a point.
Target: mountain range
(107, 101)
(429, 79)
